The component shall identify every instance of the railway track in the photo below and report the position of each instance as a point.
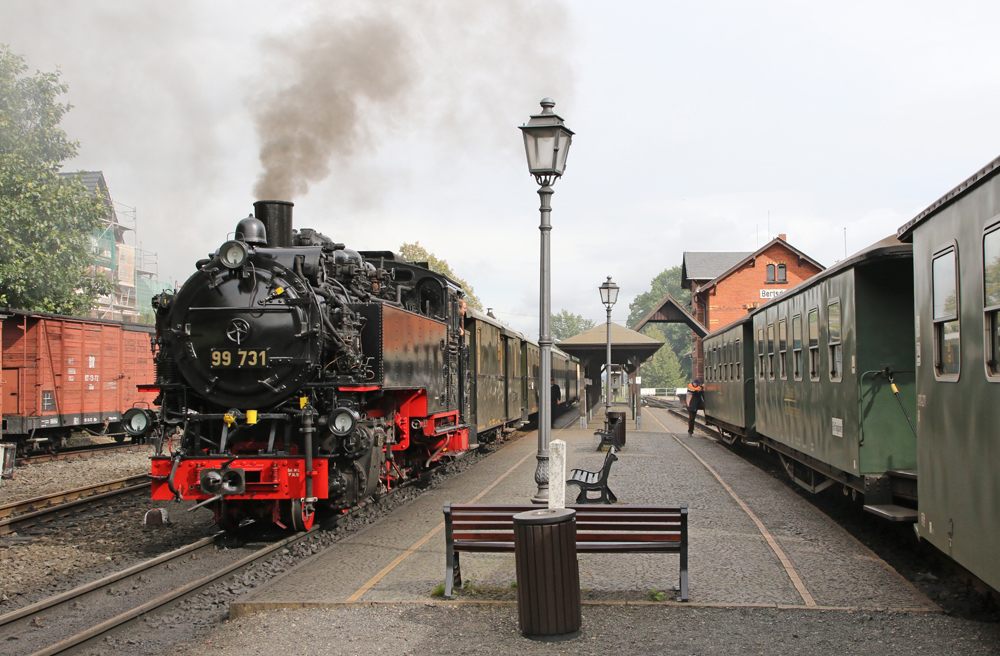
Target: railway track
(59, 604)
(50, 611)
(21, 514)
(69, 453)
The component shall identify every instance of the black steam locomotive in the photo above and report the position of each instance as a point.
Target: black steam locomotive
(295, 373)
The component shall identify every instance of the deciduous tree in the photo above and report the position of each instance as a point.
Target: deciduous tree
(663, 369)
(677, 335)
(46, 220)
(566, 324)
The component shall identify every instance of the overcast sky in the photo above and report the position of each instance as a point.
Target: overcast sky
(695, 123)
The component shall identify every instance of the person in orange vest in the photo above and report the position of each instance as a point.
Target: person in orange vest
(695, 400)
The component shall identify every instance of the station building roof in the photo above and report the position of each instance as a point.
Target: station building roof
(702, 266)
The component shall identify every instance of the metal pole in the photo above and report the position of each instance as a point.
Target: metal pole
(607, 395)
(545, 350)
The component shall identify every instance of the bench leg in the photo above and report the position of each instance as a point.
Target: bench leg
(611, 496)
(453, 573)
(684, 553)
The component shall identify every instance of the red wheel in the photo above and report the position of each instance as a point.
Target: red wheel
(302, 520)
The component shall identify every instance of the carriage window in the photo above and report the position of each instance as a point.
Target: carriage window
(833, 341)
(479, 350)
(770, 351)
(797, 347)
(729, 367)
(782, 348)
(991, 301)
(738, 356)
(814, 344)
(781, 273)
(770, 273)
(760, 353)
(947, 354)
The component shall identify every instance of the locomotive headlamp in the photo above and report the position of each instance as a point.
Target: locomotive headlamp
(234, 254)
(138, 422)
(343, 421)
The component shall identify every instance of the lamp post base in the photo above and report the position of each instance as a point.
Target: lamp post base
(542, 479)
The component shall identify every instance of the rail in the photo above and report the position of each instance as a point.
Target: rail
(20, 514)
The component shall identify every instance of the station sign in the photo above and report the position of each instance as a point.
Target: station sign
(771, 293)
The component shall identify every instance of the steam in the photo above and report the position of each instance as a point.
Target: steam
(360, 74)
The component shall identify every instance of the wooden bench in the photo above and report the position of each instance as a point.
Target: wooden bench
(598, 480)
(599, 529)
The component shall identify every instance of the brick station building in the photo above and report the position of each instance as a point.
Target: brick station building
(725, 286)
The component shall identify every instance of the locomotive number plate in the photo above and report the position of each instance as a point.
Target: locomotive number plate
(238, 359)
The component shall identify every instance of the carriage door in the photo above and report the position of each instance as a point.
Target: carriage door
(11, 391)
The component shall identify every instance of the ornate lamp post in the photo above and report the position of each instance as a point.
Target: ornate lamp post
(546, 142)
(609, 296)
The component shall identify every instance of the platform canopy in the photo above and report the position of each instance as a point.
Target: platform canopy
(628, 347)
(669, 310)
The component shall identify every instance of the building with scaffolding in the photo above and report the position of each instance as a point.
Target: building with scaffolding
(133, 270)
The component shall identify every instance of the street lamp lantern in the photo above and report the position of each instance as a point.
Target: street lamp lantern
(546, 142)
(609, 293)
(609, 296)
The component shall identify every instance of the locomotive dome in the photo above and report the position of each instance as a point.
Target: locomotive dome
(252, 231)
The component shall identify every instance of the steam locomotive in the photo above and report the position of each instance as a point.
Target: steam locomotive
(295, 373)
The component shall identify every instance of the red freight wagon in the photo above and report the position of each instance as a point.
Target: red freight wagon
(67, 373)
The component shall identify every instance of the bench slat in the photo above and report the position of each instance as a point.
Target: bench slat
(627, 547)
(491, 537)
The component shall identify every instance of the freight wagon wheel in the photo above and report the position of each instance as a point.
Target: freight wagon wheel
(301, 521)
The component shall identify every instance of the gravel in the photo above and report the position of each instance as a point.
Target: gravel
(75, 550)
(33, 480)
(63, 553)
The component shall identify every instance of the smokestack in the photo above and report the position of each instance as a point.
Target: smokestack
(277, 218)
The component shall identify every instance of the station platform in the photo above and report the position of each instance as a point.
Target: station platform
(752, 541)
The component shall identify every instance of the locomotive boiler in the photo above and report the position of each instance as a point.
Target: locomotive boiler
(295, 373)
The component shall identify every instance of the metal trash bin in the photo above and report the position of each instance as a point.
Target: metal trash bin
(8, 451)
(619, 426)
(548, 574)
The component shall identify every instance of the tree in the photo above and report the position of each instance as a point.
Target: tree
(663, 369)
(677, 335)
(46, 220)
(565, 325)
(416, 253)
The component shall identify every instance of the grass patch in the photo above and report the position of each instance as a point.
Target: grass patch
(656, 595)
(438, 590)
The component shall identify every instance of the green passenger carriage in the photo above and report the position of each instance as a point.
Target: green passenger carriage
(729, 392)
(833, 362)
(956, 256)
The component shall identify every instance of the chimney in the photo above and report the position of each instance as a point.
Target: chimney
(277, 218)
(782, 237)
